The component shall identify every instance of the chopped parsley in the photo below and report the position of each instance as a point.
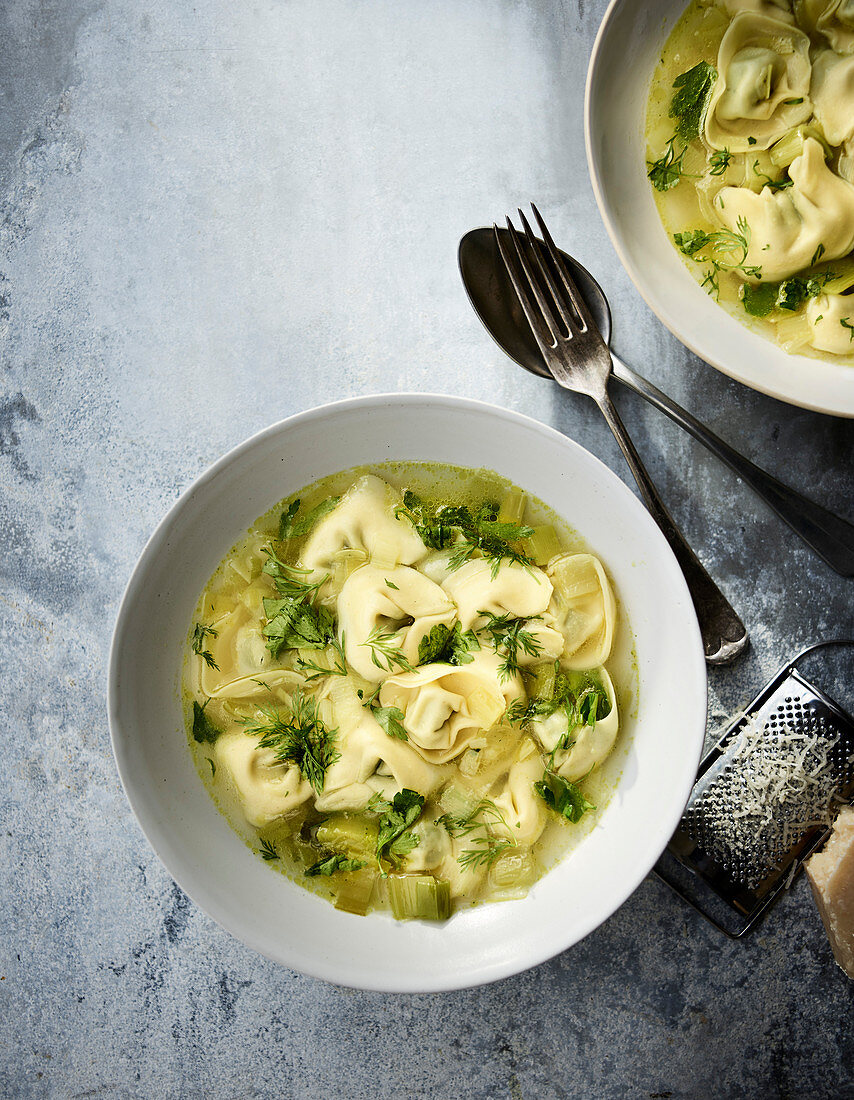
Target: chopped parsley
(467, 532)
(295, 624)
(667, 171)
(204, 731)
(391, 720)
(200, 632)
(290, 527)
(723, 249)
(453, 647)
(691, 99)
(390, 584)
(562, 796)
(332, 863)
(580, 695)
(300, 738)
(395, 838)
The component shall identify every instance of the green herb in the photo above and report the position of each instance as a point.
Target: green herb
(793, 102)
(563, 797)
(667, 171)
(391, 585)
(468, 532)
(724, 249)
(203, 729)
(508, 637)
(382, 647)
(200, 632)
(751, 141)
(395, 838)
(774, 185)
(288, 578)
(294, 624)
(758, 299)
(313, 671)
(691, 99)
(846, 323)
(268, 852)
(579, 694)
(488, 846)
(451, 647)
(332, 863)
(817, 255)
(300, 738)
(213, 766)
(391, 720)
(719, 162)
(710, 282)
(292, 528)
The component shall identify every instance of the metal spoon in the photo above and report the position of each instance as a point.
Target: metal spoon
(497, 305)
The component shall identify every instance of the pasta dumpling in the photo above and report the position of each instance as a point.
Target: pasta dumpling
(833, 95)
(516, 590)
(763, 84)
(586, 745)
(268, 789)
(523, 811)
(444, 708)
(831, 321)
(787, 226)
(834, 19)
(775, 9)
(364, 519)
(383, 612)
(584, 609)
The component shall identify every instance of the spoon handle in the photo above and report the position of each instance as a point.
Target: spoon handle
(724, 634)
(830, 536)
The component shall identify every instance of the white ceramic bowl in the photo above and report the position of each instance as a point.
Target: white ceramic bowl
(625, 53)
(284, 921)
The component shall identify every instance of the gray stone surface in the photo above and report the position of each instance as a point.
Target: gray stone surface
(213, 216)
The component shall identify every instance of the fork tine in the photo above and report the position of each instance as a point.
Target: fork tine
(542, 301)
(569, 283)
(544, 337)
(564, 306)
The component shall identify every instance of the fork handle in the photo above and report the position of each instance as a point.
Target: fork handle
(829, 535)
(724, 634)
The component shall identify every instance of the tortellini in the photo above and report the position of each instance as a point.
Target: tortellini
(522, 810)
(833, 19)
(516, 590)
(383, 612)
(831, 321)
(587, 745)
(364, 519)
(763, 84)
(787, 226)
(776, 9)
(445, 708)
(833, 95)
(584, 609)
(267, 788)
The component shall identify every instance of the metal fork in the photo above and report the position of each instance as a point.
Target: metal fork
(579, 360)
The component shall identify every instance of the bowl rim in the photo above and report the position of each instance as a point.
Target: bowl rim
(671, 321)
(317, 968)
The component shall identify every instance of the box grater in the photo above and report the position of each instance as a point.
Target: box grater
(736, 849)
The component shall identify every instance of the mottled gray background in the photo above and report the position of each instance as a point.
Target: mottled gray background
(213, 216)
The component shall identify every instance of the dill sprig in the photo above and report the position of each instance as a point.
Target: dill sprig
(382, 647)
(313, 671)
(480, 820)
(268, 852)
(200, 632)
(509, 636)
(301, 738)
(288, 578)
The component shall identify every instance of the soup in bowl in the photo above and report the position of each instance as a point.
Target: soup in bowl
(432, 717)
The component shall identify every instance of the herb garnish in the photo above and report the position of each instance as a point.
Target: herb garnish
(481, 818)
(332, 863)
(395, 838)
(467, 532)
(200, 632)
(391, 584)
(691, 99)
(391, 719)
(294, 624)
(268, 852)
(719, 162)
(288, 578)
(313, 671)
(446, 646)
(204, 731)
(581, 696)
(817, 255)
(300, 739)
(292, 528)
(774, 185)
(382, 647)
(562, 796)
(508, 637)
(666, 172)
(724, 249)
(846, 323)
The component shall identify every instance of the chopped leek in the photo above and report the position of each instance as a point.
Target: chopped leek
(419, 897)
(354, 893)
(357, 836)
(512, 507)
(543, 545)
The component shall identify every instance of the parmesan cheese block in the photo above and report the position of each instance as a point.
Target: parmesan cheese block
(831, 876)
